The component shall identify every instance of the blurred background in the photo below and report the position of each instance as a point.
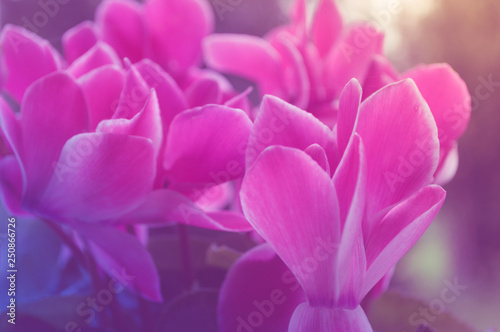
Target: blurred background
(464, 242)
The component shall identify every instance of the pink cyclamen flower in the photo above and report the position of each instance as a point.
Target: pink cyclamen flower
(96, 146)
(323, 201)
(308, 65)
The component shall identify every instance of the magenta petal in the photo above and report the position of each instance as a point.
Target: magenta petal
(279, 123)
(350, 183)
(99, 55)
(259, 294)
(78, 40)
(124, 259)
(447, 96)
(399, 230)
(170, 96)
(353, 56)
(11, 185)
(248, 56)
(381, 73)
(102, 88)
(166, 207)
(53, 110)
(289, 198)
(191, 20)
(348, 113)
(206, 145)
(396, 123)
(202, 92)
(146, 123)
(326, 27)
(317, 153)
(134, 95)
(92, 166)
(307, 319)
(26, 58)
(122, 27)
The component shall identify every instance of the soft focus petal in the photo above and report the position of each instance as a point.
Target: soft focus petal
(122, 27)
(78, 40)
(290, 199)
(307, 318)
(259, 294)
(248, 56)
(170, 96)
(112, 173)
(177, 28)
(99, 55)
(447, 96)
(102, 88)
(207, 145)
(26, 57)
(52, 111)
(123, 258)
(381, 73)
(279, 123)
(166, 207)
(350, 183)
(396, 123)
(351, 58)
(146, 123)
(134, 95)
(202, 92)
(11, 128)
(326, 27)
(398, 232)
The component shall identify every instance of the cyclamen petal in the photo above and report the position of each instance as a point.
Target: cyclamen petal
(215, 153)
(259, 279)
(27, 58)
(54, 104)
(79, 39)
(113, 173)
(285, 209)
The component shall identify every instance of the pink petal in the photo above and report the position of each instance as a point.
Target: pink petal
(170, 96)
(166, 207)
(447, 96)
(95, 166)
(99, 55)
(279, 123)
(122, 27)
(52, 111)
(352, 57)
(350, 183)
(202, 92)
(102, 88)
(248, 56)
(317, 153)
(290, 199)
(399, 230)
(78, 40)
(206, 145)
(396, 123)
(307, 318)
(26, 58)
(191, 20)
(326, 26)
(348, 113)
(146, 123)
(259, 294)
(124, 259)
(134, 95)
(381, 73)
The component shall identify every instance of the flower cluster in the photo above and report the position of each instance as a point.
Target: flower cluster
(338, 168)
